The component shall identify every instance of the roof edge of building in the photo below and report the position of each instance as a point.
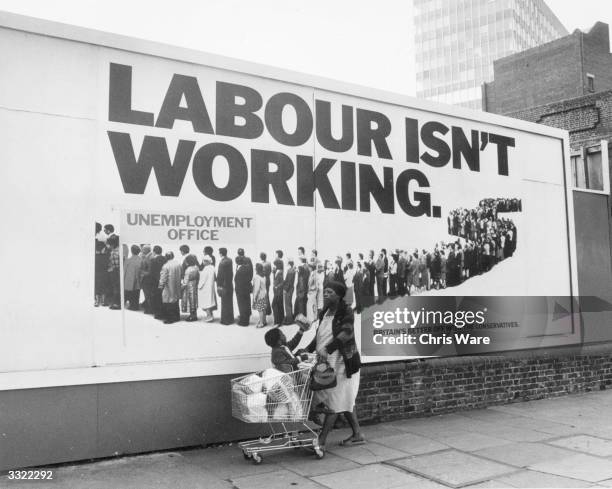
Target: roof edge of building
(556, 20)
(576, 33)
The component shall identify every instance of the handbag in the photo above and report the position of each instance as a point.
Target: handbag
(323, 376)
(353, 364)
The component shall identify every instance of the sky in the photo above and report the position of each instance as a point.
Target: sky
(365, 42)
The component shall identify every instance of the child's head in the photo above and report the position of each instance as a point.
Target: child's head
(275, 337)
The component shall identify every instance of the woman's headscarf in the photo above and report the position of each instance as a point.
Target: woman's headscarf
(337, 287)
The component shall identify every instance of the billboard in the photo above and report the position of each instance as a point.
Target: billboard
(226, 195)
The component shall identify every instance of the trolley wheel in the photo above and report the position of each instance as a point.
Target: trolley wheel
(257, 459)
(319, 453)
(246, 455)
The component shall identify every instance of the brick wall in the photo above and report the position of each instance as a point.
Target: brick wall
(421, 388)
(597, 59)
(540, 75)
(551, 72)
(588, 119)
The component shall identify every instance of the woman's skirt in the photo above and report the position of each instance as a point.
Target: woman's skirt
(341, 398)
(260, 305)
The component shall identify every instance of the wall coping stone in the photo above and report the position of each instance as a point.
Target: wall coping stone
(596, 349)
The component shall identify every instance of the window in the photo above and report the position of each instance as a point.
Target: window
(578, 173)
(590, 82)
(594, 169)
(587, 168)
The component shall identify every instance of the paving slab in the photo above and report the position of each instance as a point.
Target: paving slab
(440, 432)
(370, 453)
(587, 444)
(532, 479)
(580, 421)
(375, 476)
(228, 462)
(490, 414)
(489, 485)
(372, 432)
(454, 468)
(405, 425)
(510, 433)
(412, 444)
(523, 454)
(598, 431)
(470, 442)
(582, 467)
(522, 409)
(539, 424)
(558, 429)
(309, 466)
(435, 424)
(279, 479)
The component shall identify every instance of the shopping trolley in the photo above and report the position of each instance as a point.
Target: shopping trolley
(275, 397)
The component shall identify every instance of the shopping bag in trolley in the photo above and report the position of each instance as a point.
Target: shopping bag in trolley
(249, 400)
(275, 397)
(272, 395)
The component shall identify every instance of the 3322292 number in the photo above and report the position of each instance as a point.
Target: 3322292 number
(30, 475)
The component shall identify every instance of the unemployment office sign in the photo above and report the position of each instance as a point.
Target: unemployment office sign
(160, 227)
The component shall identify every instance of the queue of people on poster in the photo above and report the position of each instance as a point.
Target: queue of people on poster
(280, 288)
(107, 286)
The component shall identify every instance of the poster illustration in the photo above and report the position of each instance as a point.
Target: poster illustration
(226, 202)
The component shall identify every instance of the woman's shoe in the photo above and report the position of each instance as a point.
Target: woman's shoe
(353, 441)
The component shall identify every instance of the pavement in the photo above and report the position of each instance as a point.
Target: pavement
(560, 442)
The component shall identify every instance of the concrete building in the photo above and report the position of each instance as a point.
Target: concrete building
(457, 41)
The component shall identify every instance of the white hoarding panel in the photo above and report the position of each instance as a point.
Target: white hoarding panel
(229, 197)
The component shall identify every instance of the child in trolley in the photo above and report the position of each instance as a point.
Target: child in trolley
(278, 396)
(282, 355)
